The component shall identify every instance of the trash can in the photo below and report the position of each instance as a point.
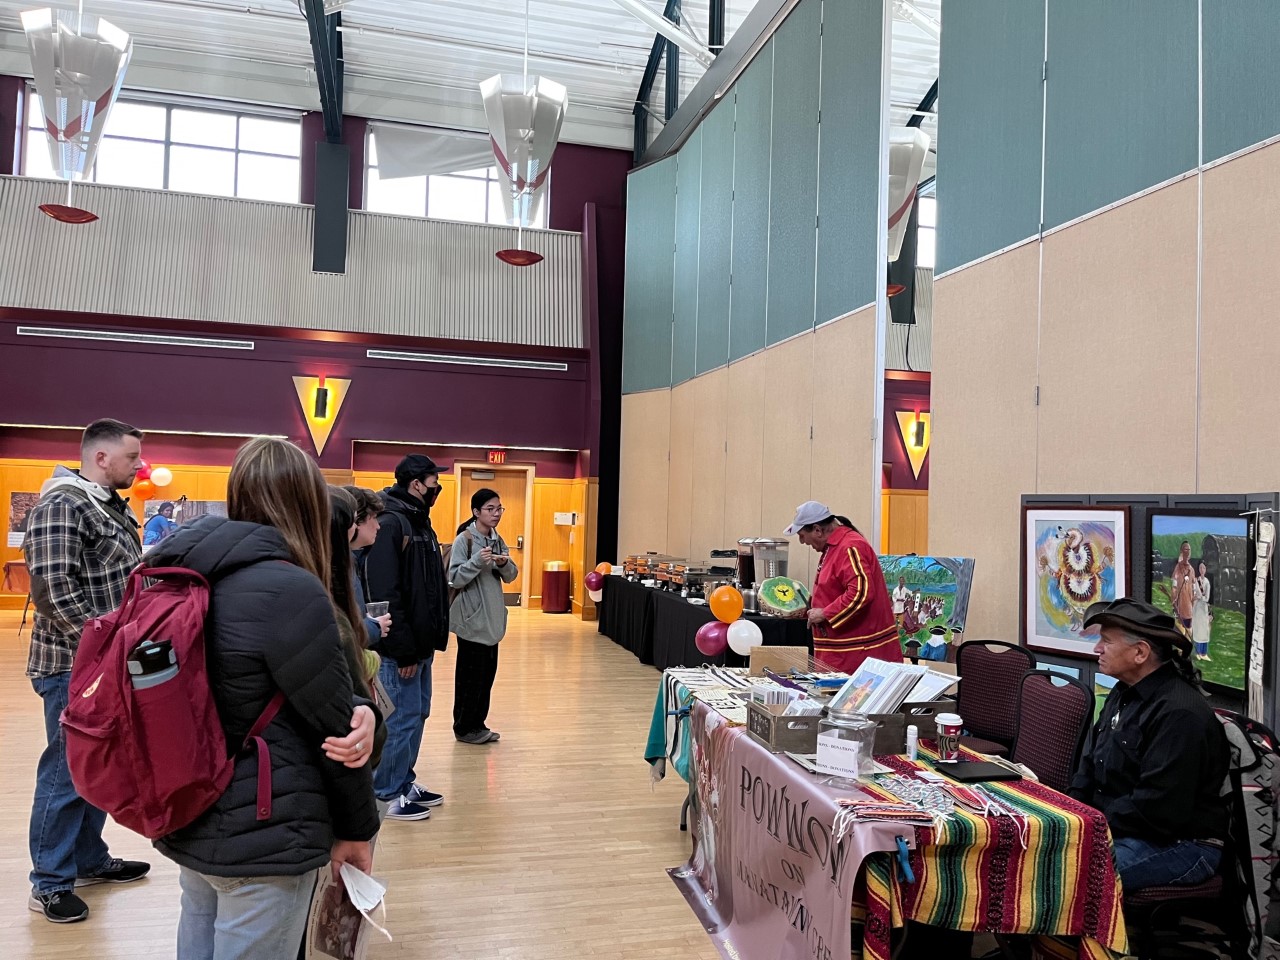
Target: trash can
(555, 587)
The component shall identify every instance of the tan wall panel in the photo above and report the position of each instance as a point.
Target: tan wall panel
(1117, 348)
(680, 484)
(710, 429)
(788, 451)
(1240, 352)
(844, 373)
(644, 472)
(744, 459)
(984, 423)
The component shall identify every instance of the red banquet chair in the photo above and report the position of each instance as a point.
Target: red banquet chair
(987, 701)
(1053, 718)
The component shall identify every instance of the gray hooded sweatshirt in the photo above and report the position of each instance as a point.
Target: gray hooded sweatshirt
(479, 612)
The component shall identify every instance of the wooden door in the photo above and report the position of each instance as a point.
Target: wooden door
(510, 486)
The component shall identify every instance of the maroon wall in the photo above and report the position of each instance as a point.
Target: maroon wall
(912, 395)
(582, 175)
(68, 383)
(373, 457)
(588, 193)
(10, 122)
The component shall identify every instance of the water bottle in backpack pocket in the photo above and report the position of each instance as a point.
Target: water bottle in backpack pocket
(152, 663)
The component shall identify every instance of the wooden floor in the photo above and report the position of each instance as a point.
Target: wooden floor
(550, 844)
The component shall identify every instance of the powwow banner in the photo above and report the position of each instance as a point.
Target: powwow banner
(767, 879)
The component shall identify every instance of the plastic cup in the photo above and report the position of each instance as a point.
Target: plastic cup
(377, 609)
(949, 727)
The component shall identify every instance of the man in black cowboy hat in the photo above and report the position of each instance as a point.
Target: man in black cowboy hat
(1156, 760)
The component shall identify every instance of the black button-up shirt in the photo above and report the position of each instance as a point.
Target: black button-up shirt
(1155, 763)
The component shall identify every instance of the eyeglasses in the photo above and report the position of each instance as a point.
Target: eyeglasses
(494, 509)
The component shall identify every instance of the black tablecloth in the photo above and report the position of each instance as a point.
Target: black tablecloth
(626, 616)
(676, 623)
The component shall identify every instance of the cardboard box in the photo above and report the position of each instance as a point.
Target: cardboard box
(778, 734)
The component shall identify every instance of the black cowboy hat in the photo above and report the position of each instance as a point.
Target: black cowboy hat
(1139, 618)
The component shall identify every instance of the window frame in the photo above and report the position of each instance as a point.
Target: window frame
(32, 124)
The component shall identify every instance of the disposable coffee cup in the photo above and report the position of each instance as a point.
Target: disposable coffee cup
(949, 727)
(376, 610)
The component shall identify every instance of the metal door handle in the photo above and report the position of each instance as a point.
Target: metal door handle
(519, 543)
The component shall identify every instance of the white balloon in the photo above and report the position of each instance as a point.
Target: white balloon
(743, 635)
(162, 476)
(595, 595)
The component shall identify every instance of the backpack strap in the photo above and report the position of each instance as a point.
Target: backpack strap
(264, 754)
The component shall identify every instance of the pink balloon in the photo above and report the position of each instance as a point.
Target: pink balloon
(593, 580)
(712, 638)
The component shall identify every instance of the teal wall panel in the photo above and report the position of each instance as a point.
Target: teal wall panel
(1241, 82)
(751, 148)
(989, 132)
(715, 236)
(793, 173)
(650, 262)
(849, 157)
(1122, 112)
(684, 330)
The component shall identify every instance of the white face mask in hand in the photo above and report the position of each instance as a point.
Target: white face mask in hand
(366, 894)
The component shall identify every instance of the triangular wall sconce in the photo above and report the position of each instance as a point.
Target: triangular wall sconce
(916, 433)
(321, 399)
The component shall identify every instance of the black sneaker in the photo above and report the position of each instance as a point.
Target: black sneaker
(117, 871)
(61, 906)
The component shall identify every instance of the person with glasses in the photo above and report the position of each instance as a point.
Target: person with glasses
(479, 565)
(404, 568)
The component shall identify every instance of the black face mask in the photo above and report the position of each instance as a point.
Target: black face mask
(432, 495)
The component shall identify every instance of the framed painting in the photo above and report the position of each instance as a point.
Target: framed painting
(1201, 568)
(1072, 557)
(930, 600)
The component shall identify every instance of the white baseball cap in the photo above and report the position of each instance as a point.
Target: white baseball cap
(811, 511)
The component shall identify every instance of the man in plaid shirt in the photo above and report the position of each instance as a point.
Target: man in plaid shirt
(81, 543)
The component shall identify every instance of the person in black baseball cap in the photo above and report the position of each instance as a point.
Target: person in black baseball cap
(405, 569)
(1156, 760)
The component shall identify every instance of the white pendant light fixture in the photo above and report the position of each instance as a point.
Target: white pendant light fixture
(79, 64)
(524, 115)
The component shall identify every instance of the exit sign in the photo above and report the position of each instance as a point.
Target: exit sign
(497, 456)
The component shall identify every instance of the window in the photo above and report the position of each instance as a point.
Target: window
(471, 196)
(927, 235)
(193, 150)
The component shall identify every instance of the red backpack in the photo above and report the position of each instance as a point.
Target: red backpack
(154, 758)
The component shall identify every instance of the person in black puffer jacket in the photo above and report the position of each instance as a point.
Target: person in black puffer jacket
(270, 627)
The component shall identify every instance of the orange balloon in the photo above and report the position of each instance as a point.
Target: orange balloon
(604, 569)
(726, 603)
(144, 490)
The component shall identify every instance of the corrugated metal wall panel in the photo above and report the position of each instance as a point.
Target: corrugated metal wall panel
(916, 338)
(164, 254)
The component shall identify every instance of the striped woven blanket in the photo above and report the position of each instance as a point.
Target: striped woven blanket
(1047, 872)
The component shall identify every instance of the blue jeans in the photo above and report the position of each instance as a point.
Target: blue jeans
(66, 832)
(242, 918)
(1181, 864)
(412, 700)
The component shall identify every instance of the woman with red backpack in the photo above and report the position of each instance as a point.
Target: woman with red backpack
(248, 869)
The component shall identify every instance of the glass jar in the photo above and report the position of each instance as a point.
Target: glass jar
(846, 744)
